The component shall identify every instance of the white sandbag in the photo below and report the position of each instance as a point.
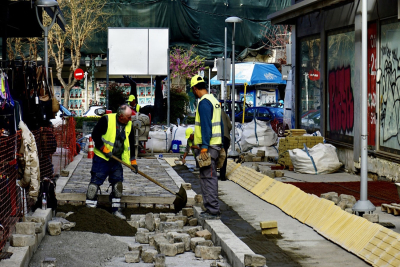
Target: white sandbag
(179, 133)
(324, 157)
(160, 141)
(270, 151)
(257, 134)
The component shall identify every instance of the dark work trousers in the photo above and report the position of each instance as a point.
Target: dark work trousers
(227, 144)
(209, 183)
(101, 169)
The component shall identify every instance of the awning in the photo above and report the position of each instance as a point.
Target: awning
(288, 15)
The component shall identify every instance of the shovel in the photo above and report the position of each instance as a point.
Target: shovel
(181, 197)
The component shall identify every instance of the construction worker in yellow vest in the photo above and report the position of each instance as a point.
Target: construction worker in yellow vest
(112, 136)
(189, 133)
(208, 133)
(132, 103)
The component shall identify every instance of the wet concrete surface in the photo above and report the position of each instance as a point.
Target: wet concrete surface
(253, 238)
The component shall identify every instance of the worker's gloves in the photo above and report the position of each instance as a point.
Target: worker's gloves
(106, 152)
(204, 155)
(134, 166)
(183, 161)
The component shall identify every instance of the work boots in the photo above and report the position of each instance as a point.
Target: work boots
(118, 214)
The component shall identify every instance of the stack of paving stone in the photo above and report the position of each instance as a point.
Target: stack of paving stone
(372, 242)
(170, 235)
(293, 141)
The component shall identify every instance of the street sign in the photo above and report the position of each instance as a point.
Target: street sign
(313, 75)
(78, 74)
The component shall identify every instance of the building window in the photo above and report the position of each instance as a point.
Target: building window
(310, 86)
(340, 96)
(389, 85)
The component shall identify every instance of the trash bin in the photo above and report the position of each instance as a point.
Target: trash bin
(175, 145)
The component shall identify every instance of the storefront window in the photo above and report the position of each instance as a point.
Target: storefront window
(389, 85)
(310, 90)
(340, 113)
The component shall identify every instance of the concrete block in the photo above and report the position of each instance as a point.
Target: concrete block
(49, 262)
(187, 186)
(329, 195)
(198, 198)
(142, 223)
(192, 230)
(194, 242)
(187, 212)
(142, 236)
(25, 228)
(161, 206)
(156, 240)
(149, 255)
(180, 247)
(38, 228)
(279, 173)
(206, 243)
(157, 223)
(64, 173)
(248, 158)
(132, 205)
(134, 224)
(159, 260)
(208, 253)
(149, 221)
(163, 216)
(260, 153)
(268, 224)
(136, 217)
(374, 218)
(147, 206)
(183, 238)
(61, 214)
(193, 222)
(68, 214)
(349, 206)
(135, 248)
(169, 226)
(205, 234)
(349, 198)
(254, 260)
(170, 236)
(270, 231)
(35, 219)
(335, 200)
(342, 204)
(54, 228)
(168, 249)
(132, 257)
(257, 159)
(18, 240)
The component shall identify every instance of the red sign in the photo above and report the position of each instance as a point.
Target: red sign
(313, 75)
(78, 74)
(372, 97)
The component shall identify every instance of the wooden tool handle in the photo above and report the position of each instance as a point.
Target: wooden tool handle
(144, 175)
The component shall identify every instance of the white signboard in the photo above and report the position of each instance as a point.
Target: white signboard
(138, 51)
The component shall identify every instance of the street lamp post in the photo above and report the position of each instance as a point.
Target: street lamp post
(234, 20)
(46, 29)
(96, 62)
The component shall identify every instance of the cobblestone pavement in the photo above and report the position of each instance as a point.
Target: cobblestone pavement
(134, 184)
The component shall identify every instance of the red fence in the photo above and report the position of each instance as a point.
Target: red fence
(58, 143)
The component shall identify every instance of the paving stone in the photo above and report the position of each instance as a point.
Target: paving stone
(198, 198)
(187, 186)
(25, 228)
(329, 195)
(61, 214)
(205, 234)
(169, 226)
(194, 241)
(135, 248)
(159, 260)
(132, 257)
(270, 231)
(35, 219)
(349, 198)
(187, 212)
(54, 228)
(268, 224)
(374, 218)
(183, 238)
(342, 204)
(18, 240)
(254, 260)
(206, 243)
(150, 223)
(193, 222)
(335, 199)
(157, 223)
(49, 262)
(168, 249)
(132, 205)
(142, 223)
(180, 247)
(184, 219)
(149, 255)
(157, 240)
(134, 224)
(208, 253)
(161, 206)
(38, 228)
(257, 159)
(142, 236)
(164, 216)
(191, 230)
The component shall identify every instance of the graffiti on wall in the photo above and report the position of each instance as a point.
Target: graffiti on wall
(341, 101)
(390, 98)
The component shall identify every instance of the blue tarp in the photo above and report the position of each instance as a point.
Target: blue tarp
(65, 111)
(254, 73)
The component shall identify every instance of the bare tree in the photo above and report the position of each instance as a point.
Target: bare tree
(84, 18)
(276, 38)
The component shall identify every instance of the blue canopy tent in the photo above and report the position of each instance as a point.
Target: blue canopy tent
(254, 73)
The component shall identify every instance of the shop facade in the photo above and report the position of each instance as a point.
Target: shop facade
(326, 78)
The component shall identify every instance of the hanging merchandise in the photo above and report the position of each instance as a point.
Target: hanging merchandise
(7, 108)
(55, 105)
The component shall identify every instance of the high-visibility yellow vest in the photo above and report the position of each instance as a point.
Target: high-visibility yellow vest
(216, 136)
(137, 107)
(109, 138)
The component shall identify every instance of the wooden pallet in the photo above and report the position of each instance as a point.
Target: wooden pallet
(392, 208)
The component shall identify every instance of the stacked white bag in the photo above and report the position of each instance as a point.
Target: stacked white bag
(257, 134)
(160, 140)
(179, 133)
(324, 157)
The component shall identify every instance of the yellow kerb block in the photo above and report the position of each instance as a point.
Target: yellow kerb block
(271, 231)
(269, 224)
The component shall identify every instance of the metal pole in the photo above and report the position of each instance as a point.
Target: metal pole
(364, 205)
(93, 95)
(225, 66)
(209, 80)
(87, 91)
(107, 81)
(168, 90)
(233, 152)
